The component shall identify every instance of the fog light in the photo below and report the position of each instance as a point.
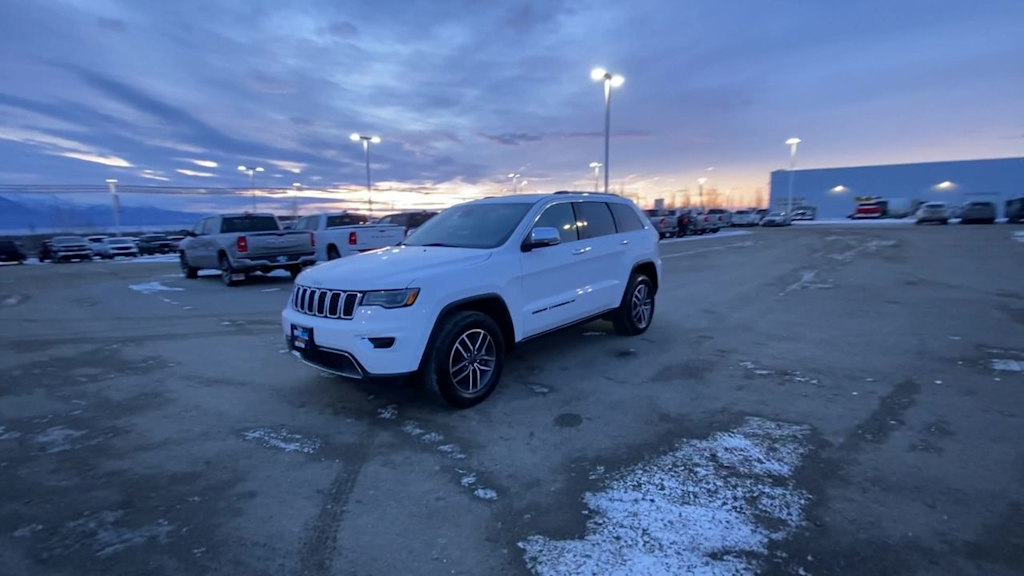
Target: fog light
(382, 343)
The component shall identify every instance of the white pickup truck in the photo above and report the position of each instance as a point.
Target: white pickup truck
(340, 234)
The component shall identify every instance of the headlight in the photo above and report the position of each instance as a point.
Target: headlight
(391, 298)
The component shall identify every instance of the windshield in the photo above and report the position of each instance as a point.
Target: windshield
(154, 238)
(472, 225)
(69, 240)
(118, 241)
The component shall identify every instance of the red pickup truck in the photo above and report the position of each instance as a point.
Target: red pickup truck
(868, 210)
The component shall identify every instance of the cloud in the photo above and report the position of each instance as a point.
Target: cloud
(512, 138)
(111, 24)
(153, 175)
(343, 29)
(517, 138)
(187, 172)
(105, 160)
(293, 167)
(202, 163)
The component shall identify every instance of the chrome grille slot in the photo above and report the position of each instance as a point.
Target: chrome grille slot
(325, 303)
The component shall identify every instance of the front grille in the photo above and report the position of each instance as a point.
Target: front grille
(325, 303)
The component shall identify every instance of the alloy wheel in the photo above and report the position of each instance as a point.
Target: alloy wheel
(641, 306)
(472, 361)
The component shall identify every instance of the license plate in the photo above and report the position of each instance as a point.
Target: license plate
(301, 336)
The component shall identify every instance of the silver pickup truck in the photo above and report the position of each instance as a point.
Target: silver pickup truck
(240, 244)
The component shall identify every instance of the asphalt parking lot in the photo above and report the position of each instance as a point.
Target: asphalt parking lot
(810, 400)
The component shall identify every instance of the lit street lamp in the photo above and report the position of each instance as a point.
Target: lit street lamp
(252, 182)
(700, 188)
(116, 204)
(515, 177)
(792, 143)
(367, 140)
(597, 175)
(610, 81)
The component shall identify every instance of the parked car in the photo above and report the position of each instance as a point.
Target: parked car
(805, 213)
(978, 212)
(68, 248)
(722, 218)
(665, 222)
(155, 244)
(45, 251)
(240, 244)
(342, 234)
(705, 222)
(11, 252)
(776, 219)
(175, 241)
(95, 241)
(470, 283)
(408, 220)
(1015, 210)
(868, 210)
(745, 217)
(111, 248)
(933, 212)
(761, 213)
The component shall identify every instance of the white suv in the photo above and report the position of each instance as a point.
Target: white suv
(472, 281)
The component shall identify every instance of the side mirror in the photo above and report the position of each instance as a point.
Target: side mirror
(541, 237)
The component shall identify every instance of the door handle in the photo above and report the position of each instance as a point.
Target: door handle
(579, 251)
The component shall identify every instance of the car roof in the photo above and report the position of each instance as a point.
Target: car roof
(561, 195)
(245, 214)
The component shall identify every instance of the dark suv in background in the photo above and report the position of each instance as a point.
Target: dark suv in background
(410, 220)
(978, 213)
(1015, 210)
(10, 252)
(155, 244)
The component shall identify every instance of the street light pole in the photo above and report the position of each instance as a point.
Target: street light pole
(515, 177)
(610, 81)
(252, 182)
(367, 140)
(112, 184)
(597, 175)
(700, 190)
(792, 143)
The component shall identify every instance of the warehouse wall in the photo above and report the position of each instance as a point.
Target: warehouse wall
(954, 182)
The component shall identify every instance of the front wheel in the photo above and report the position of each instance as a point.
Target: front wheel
(332, 253)
(465, 362)
(636, 310)
(189, 272)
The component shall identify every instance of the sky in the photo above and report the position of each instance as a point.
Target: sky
(462, 93)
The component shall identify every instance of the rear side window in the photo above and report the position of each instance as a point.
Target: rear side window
(593, 219)
(561, 217)
(345, 220)
(626, 219)
(249, 224)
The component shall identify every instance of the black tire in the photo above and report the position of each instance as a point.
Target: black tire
(227, 272)
(629, 318)
(944, 222)
(295, 271)
(714, 230)
(332, 252)
(449, 352)
(189, 272)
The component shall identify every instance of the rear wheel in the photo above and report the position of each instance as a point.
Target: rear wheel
(295, 271)
(636, 310)
(227, 273)
(464, 364)
(187, 270)
(332, 253)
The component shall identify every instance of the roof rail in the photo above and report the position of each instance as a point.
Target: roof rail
(585, 192)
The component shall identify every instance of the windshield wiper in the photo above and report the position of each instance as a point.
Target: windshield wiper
(434, 244)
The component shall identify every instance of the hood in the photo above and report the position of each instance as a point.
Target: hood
(391, 268)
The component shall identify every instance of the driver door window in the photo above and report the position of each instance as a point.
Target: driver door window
(561, 217)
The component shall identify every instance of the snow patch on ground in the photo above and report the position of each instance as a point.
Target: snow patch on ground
(98, 531)
(806, 282)
(852, 222)
(1018, 236)
(388, 412)
(5, 435)
(58, 439)
(154, 259)
(1006, 365)
(153, 288)
(710, 506)
(282, 440)
(27, 530)
(485, 494)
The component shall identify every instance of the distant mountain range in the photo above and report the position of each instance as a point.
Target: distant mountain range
(33, 216)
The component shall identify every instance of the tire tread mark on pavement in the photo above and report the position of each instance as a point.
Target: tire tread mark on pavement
(886, 418)
(321, 543)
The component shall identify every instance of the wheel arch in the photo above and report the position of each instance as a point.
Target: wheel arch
(649, 269)
(491, 304)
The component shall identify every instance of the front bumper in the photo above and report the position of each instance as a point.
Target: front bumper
(85, 254)
(344, 346)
